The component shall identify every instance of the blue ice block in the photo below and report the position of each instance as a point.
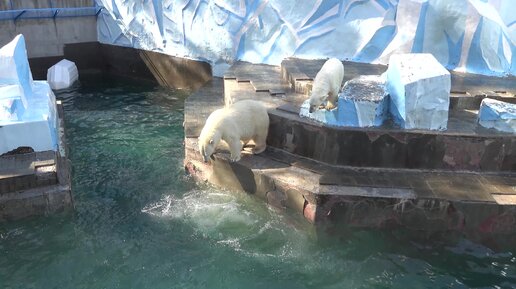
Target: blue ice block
(363, 102)
(419, 88)
(498, 115)
(328, 117)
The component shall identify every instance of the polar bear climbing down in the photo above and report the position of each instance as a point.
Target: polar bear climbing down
(327, 85)
(236, 125)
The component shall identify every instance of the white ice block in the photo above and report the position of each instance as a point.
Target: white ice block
(14, 65)
(27, 108)
(328, 117)
(62, 75)
(38, 126)
(498, 115)
(419, 88)
(363, 102)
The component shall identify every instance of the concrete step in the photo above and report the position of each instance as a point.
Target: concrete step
(464, 146)
(27, 171)
(468, 202)
(42, 200)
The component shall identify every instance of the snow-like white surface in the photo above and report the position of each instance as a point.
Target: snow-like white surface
(62, 74)
(27, 108)
(419, 88)
(14, 66)
(498, 115)
(468, 35)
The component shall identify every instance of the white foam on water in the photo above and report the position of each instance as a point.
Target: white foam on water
(237, 221)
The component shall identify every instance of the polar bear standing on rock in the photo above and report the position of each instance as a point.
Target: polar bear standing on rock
(236, 125)
(327, 85)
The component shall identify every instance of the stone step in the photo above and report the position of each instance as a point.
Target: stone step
(366, 197)
(407, 183)
(467, 90)
(42, 200)
(464, 146)
(26, 171)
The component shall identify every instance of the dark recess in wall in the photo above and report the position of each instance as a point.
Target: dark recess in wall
(165, 70)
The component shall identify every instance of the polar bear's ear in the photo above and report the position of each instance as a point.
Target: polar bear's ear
(211, 141)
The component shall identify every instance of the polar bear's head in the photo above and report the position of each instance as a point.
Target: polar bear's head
(317, 98)
(207, 144)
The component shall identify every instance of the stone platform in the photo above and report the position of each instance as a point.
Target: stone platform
(462, 179)
(35, 183)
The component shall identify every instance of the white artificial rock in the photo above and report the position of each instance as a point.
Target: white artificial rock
(27, 108)
(498, 115)
(419, 88)
(328, 117)
(363, 102)
(468, 35)
(62, 74)
(14, 66)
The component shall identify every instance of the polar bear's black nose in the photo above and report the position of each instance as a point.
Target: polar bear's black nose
(311, 110)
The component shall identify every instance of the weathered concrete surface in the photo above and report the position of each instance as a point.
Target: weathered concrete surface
(176, 72)
(481, 206)
(478, 150)
(36, 183)
(47, 37)
(32, 4)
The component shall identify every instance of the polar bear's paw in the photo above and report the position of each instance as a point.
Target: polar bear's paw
(234, 159)
(258, 149)
(330, 106)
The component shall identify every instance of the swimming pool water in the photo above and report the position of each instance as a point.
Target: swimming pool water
(141, 222)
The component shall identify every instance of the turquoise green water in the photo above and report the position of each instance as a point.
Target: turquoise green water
(140, 222)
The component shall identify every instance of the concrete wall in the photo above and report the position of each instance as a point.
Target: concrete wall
(46, 37)
(31, 4)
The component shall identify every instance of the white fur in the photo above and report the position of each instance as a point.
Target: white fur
(241, 122)
(327, 84)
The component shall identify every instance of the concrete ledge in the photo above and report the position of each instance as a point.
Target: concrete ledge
(367, 197)
(478, 150)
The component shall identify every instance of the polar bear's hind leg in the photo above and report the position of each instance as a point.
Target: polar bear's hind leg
(235, 147)
(260, 143)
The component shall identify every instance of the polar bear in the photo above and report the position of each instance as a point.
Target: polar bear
(327, 85)
(236, 125)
